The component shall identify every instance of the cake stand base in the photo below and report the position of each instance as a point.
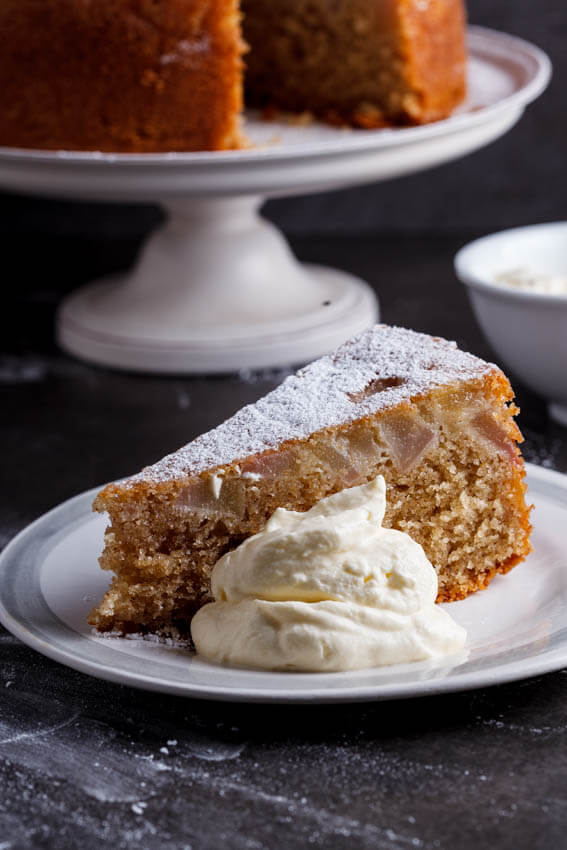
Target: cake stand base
(216, 289)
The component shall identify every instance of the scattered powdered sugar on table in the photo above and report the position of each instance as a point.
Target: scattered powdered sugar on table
(106, 764)
(22, 370)
(541, 451)
(255, 376)
(93, 774)
(321, 396)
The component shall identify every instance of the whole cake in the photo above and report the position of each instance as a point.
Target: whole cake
(162, 75)
(436, 422)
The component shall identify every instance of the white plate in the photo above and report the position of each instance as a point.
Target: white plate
(50, 579)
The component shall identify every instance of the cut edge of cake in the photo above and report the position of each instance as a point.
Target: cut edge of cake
(401, 62)
(436, 421)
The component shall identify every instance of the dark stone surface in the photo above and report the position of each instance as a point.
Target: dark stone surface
(88, 764)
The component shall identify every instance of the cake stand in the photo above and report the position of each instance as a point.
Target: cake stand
(217, 288)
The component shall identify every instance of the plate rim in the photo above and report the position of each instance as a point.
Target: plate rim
(477, 36)
(555, 659)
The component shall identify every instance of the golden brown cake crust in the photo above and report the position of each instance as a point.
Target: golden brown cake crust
(168, 74)
(437, 423)
(370, 64)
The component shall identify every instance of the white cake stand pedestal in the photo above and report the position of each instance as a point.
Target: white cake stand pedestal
(217, 288)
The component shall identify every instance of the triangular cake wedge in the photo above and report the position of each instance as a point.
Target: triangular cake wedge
(436, 422)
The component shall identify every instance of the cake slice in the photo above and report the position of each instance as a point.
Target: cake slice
(436, 422)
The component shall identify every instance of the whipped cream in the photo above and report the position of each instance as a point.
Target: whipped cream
(531, 281)
(326, 590)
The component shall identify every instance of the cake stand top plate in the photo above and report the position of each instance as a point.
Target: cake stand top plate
(504, 75)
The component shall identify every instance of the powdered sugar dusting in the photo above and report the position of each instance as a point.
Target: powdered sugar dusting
(392, 364)
(172, 638)
(185, 49)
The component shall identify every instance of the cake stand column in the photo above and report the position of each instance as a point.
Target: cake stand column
(215, 289)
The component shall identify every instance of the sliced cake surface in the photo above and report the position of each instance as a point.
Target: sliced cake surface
(168, 75)
(435, 421)
(371, 64)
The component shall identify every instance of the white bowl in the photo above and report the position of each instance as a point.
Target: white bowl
(528, 330)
